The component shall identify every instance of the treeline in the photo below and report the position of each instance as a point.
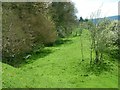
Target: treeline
(29, 25)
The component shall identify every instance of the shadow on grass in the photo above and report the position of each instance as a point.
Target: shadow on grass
(99, 69)
(62, 41)
(115, 54)
(59, 42)
(96, 69)
(31, 57)
(107, 64)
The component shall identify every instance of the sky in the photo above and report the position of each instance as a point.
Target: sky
(86, 7)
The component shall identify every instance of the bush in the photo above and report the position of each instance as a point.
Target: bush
(24, 30)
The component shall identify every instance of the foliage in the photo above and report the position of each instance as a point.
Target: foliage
(29, 25)
(62, 68)
(103, 36)
(118, 40)
(25, 26)
(63, 14)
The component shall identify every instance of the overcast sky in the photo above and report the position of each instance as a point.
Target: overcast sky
(86, 7)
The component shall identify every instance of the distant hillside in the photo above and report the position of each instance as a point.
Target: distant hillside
(117, 17)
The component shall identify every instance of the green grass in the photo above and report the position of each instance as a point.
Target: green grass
(61, 68)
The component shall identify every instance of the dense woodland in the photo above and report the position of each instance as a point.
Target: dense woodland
(29, 28)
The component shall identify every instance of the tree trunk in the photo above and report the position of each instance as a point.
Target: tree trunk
(101, 57)
(82, 48)
(96, 57)
(91, 53)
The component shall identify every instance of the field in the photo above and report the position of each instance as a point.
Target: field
(61, 66)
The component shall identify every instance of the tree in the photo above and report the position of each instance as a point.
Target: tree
(103, 36)
(81, 19)
(80, 33)
(25, 27)
(63, 14)
(117, 25)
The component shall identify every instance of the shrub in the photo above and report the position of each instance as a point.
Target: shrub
(23, 30)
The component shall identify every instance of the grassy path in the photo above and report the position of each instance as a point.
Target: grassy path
(62, 67)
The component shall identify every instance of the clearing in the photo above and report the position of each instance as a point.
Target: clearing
(61, 67)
